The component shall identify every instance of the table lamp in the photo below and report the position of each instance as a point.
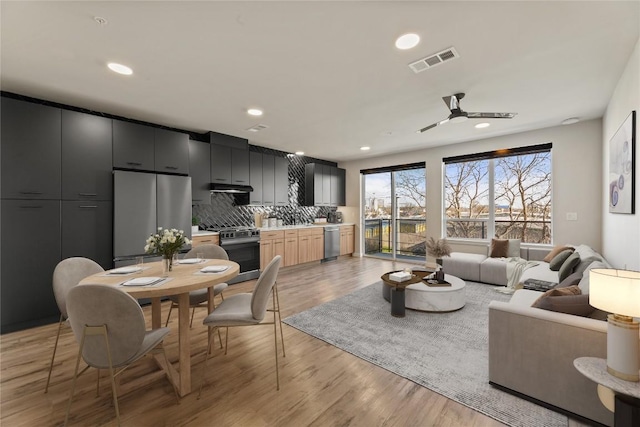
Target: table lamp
(618, 292)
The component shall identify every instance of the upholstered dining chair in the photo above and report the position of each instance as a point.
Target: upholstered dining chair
(66, 275)
(246, 310)
(110, 327)
(199, 298)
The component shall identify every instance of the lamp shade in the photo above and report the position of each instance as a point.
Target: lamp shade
(615, 291)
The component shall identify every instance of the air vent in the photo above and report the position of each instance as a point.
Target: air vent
(433, 60)
(257, 128)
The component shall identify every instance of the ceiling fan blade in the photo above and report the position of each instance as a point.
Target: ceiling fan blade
(491, 115)
(441, 122)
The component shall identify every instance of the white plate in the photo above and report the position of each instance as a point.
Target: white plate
(142, 281)
(214, 269)
(125, 270)
(190, 261)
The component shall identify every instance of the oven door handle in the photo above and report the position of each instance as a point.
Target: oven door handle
(239, 241)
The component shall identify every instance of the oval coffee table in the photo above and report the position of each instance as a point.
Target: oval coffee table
(420, 296)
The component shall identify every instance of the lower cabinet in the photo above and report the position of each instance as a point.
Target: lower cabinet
(290, 247)
(30, 252)
(310, 244)
(347, 239)
(87, 231)
(205, 240)
(271, 244)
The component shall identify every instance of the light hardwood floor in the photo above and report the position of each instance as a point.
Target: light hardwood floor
(320, 385)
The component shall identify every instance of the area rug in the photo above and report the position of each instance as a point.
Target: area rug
(444, 352)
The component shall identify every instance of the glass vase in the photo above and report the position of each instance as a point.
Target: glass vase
(167, 264)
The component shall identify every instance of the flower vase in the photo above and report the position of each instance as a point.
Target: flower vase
(167, 264)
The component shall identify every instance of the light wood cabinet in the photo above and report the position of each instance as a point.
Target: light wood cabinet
(271, 244)
(347, 242)
(310, 244)
(205, 240)
(290, 247)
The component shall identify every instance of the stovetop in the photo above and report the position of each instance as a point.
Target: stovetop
(236, 233)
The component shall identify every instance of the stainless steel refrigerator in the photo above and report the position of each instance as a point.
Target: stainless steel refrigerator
(142, 202)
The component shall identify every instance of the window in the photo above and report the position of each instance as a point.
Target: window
(506, 194)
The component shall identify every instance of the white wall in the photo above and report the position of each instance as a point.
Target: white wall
(576, 178)
(620, 232)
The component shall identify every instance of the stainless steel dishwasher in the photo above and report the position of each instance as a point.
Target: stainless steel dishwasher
(331, 242)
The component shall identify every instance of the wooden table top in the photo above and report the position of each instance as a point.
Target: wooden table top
(416, 277)
(184, 278)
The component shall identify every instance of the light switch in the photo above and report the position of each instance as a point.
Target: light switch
(572, 216)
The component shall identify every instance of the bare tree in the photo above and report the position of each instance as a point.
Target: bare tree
(410, 185)
(466, 192)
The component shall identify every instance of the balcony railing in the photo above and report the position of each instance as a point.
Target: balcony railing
(378, 236)
(538, 231)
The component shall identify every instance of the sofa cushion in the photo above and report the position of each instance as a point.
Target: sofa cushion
(493, 270)
(571, 280)
(463, 265)
(565, 300)
(513, 249)
(555, 251)
(568, 266)
(499, 248)
(559, 259)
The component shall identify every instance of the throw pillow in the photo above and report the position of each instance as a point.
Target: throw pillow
(570, 280)
(584, 283)
(555, 251)
(568, 265)
(565, 300)
(514, 248)
(499, 248)
(559, 259)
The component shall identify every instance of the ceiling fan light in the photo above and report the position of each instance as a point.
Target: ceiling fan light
(482, 125)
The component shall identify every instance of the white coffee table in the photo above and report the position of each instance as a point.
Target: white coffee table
(421, 297)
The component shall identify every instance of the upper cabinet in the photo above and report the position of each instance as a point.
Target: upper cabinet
(171, 151)
(141, 147)
(281, 184)
(268, 180)
(324, 185)
(30, 150)
(200, 171)
(133, 146)
(229, 159)
(86, 157)
(255, 178)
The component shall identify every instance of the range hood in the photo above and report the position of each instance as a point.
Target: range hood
(230, 188)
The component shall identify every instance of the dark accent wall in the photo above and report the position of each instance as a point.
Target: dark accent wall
(222, 212)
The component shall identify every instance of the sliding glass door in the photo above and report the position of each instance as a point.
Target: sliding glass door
(395, 212)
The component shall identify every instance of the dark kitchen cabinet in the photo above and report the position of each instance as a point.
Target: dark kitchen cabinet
(229, 159)
(86, 157)
(87, 230)
(255, 178)
(338, 196)
(30, 150)
(133, 146)
(171, 151)
(324, 185)
(30, 252)
(200, 171)
(268, 179)
(281, 177)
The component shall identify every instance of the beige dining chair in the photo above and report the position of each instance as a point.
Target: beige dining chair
(199, 297)
(110, 327)
(246, 309)
(67, 274)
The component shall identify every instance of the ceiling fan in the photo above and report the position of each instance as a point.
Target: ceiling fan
(457, 115)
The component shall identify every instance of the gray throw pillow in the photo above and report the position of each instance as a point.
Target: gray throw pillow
(577, 305)
(570, 280)
(567, 267)
(513, 251)
(559, 259)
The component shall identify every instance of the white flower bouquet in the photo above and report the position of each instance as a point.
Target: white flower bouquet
(166, 242)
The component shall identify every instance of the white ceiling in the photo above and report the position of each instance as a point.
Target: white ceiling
(327, 74)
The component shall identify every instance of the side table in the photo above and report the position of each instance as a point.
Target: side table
(619, 396)
(396, 297)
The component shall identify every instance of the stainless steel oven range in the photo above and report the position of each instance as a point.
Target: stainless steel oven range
(243, 246)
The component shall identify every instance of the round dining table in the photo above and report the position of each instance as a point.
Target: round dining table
(184, 278)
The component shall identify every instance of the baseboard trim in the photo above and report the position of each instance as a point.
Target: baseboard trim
(549, 406)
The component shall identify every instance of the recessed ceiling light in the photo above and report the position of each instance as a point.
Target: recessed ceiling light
(407, 41)
(119, 68)
(299, 153)
(365, 148)
(254, 112)
(570, 121)
(482, 125)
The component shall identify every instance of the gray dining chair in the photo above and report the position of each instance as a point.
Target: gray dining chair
(199, 297)
(110, 327)
(246, 309)
(67, 274)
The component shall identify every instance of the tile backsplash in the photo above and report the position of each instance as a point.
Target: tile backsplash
(222, 212)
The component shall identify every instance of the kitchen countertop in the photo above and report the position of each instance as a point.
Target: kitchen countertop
(303, 226)
(205, 233)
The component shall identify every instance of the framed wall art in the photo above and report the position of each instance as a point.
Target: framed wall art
(622, 173)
